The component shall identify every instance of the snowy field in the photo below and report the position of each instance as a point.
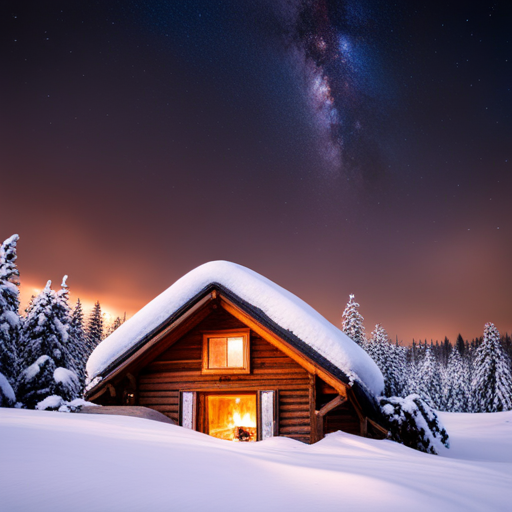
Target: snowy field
(61, 462)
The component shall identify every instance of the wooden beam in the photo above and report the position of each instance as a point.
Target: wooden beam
(282, 345)
(312, 407)
(319, 426)
(112, 390)
(331, 405)
(355, 403)
(364, 427)
(320, 415)
(376, 426)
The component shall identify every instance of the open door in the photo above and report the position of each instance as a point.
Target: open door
(233, 416)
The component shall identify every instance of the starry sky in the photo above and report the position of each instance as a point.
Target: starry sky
(335, 147)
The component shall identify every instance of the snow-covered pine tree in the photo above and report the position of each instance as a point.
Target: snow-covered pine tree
(94, 331)
(63, 314)
(45, 358)
(9, 311)
(375, 347)
(457, 394)
(389, 358)
(492, 378)
(352, 322)
(411, 386)
(399, 357)
(429, 379)
(78, 343)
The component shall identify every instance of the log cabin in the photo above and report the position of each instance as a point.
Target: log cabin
(229, 353)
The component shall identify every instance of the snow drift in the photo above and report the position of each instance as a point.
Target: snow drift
(55, 462)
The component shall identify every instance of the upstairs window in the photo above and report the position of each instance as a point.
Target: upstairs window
(226, 352)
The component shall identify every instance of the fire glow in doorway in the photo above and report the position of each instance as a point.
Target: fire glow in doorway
(232, 417)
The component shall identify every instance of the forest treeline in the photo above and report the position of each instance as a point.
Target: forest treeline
(465, 376)
(43, 352)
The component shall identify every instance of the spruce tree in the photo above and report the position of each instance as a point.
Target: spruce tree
(352, 322)
(457, 396)
(118, 321)
(9, 310)
(63, 315)
(459, 343)
(411, 386)
(78, 343)
(45, 358)
(492, 378)
(389, 360)
(400, 368)
(94, 328)
(375, 346)
(429, 379)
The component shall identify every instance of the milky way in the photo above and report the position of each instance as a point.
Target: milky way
(332, 45)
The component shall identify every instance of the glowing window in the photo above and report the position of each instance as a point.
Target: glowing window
(226, 351)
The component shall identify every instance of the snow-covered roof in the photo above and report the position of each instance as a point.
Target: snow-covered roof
(282, 307)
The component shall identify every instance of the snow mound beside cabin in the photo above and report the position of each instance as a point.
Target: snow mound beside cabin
(281, 306)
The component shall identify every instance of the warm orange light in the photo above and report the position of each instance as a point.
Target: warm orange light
(232, 418)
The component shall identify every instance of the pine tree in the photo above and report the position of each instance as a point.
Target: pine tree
(375, 346)
(352, 322)
(457, 394)
(400, 368)
(94, 329)
(411, 386)
(63, 315)
(389, 358)
(45, 357)
(459, 343)
(492, 379)
(429, 379)
(78, 343)
(118, 321)
(9, 310)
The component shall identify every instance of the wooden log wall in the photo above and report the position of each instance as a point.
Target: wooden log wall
(179, 369)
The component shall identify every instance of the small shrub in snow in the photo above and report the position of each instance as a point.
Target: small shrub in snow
(57, 403)
(412, 422)
(50, 403)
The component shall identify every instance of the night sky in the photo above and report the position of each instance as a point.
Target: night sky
(335, 147)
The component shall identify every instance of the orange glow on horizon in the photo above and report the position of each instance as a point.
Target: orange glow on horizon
(110, 312)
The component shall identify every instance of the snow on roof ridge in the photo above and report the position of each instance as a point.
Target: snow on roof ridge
(281, 306)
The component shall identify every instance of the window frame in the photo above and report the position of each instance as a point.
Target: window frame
(229, 333)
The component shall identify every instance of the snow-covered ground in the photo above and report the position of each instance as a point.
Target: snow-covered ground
(61, 462)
